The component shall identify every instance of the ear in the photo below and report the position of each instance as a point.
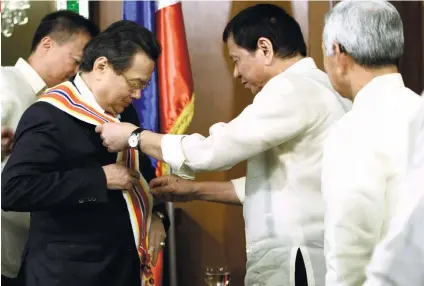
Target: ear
(100, 65)
(344, 61)
(45, 45)
(265, 47)
(338, 49)
(324, 52)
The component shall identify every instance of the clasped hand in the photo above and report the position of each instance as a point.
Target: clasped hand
(119, 177)
(115, 135)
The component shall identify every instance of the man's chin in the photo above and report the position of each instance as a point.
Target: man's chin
(118, 109)
(254, 90)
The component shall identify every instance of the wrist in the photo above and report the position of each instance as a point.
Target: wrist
(141, 139)
(197, 191)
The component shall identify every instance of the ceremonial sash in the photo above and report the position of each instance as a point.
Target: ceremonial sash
(139, 200)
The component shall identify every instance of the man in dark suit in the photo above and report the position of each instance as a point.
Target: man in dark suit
(92, 216)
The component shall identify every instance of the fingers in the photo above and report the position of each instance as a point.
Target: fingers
(157, 247)
(109, 149)
(6, 139)
(6, 142)
(157, 237)
(155, 254)
(134, 174)
(6, 132)
(134, 177)
(156, 182)
(166, 194)
(162, 181)
(153, 246)
(161, 190)
(128, 177)
(99, 128)
(133, 181)
(6, 146)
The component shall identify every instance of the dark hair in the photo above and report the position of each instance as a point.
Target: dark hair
(268, 21)
(61, 25)
(119, 43)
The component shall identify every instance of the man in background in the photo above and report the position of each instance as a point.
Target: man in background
(56, 52)
(281, 134)
(367, 153)
(397, 260)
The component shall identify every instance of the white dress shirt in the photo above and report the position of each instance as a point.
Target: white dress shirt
(281, 134)
(19, 87)
(365, 158)
(399, 259)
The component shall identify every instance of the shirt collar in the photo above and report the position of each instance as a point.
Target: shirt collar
(301, 66)
(88, 95)
(378, 85)
(31, 76)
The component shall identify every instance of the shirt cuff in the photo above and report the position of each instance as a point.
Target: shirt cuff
(240, 188)
(173, 155)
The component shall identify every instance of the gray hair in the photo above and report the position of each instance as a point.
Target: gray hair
(371, 32)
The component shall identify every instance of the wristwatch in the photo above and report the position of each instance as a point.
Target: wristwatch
(134, 137)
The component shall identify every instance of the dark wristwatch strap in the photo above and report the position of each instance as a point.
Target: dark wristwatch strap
(137, 130)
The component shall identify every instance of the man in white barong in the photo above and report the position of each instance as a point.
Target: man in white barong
(398, 260)
(368, 151)
(281, 135)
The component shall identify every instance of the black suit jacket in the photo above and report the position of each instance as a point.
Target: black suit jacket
(80, 231)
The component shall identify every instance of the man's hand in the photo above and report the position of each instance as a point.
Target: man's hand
(6, 142)
(157, 236)
(115, 135)
(173, 188)
(119, 177)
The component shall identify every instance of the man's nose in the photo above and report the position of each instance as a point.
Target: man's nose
(236, 73)
(136, 94)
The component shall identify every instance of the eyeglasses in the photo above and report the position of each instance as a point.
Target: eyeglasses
(135, 84)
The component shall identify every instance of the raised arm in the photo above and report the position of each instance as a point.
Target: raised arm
(278, 113)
